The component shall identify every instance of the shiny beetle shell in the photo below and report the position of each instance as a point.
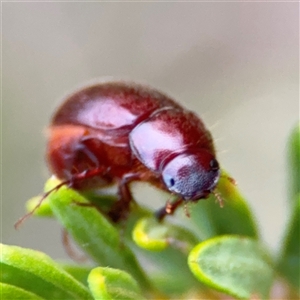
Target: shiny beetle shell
(119, 132)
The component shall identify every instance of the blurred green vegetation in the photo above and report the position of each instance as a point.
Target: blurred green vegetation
(214, 253)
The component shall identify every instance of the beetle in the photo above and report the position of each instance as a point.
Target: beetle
(117, 132)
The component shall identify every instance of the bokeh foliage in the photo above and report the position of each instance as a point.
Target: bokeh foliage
(216, 251)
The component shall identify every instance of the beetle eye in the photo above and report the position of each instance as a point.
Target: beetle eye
(214, 164)
(171, 182)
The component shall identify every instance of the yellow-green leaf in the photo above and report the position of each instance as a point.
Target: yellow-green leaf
(113, 284)
(234, 265)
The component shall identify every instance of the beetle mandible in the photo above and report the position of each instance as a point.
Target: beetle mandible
(119, 132)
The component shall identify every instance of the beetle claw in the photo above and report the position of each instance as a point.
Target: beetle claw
(168, 209)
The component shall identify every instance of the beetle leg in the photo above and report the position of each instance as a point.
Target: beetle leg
(86, 174)
(43, 197)
(168, 209)
(82, 147)
(69, 250)
(72, 183)
(90, 169)
(119, 211)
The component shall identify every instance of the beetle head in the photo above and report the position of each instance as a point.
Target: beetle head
(192, 176)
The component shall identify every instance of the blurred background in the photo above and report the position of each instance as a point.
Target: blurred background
(235, 64)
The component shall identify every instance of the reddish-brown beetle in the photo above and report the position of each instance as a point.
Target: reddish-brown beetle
(119, 132)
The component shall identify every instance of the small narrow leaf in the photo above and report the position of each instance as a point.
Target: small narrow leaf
(155, 236)
(36, 272)
(93, 232)
(9, 292)
(234, 217)
(113, 284)
(234, 265)
(289, 263)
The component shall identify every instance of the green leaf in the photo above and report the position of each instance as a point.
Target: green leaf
(294, 163)
(234, 265)
(36, 272)
(289, 262)
(93, 232)
(234, 217)
(161, 267)
(9, 292)
(80, 273)
(156, 236)
(111, 284)
(169, 245)
(43, 210)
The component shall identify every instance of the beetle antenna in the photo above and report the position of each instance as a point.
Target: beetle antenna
(230, 179)
(45, 195)
(218, 198)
